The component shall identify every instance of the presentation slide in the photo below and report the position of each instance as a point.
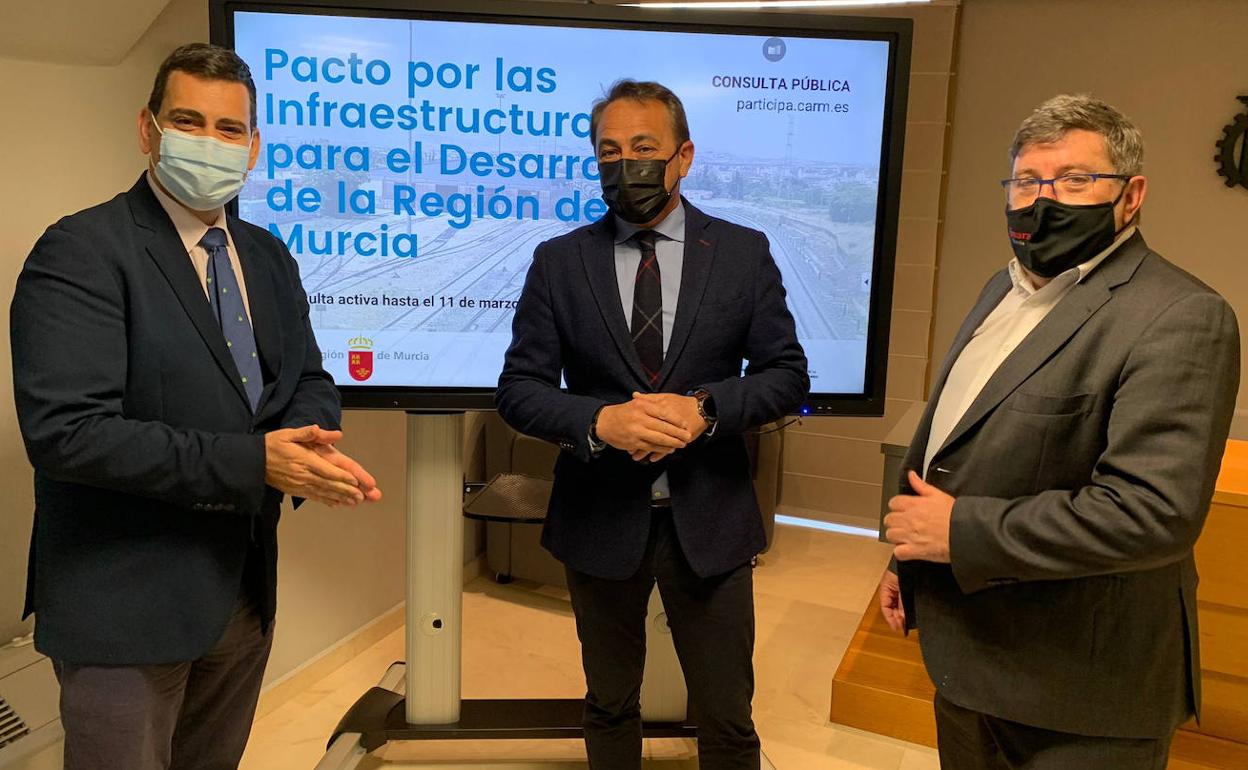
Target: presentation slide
(413, 166)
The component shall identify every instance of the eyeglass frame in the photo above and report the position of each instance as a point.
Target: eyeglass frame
(1052, 183)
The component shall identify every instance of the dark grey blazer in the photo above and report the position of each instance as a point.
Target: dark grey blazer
(1083, 473)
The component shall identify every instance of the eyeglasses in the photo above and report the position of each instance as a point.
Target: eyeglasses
(1022, 192)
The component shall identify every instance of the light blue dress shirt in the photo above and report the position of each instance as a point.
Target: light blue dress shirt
(669, 247)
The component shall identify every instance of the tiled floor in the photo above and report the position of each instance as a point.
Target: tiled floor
(519, 641)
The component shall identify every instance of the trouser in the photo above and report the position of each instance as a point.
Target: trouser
(712, 623)
(970, 740)
(180, 716)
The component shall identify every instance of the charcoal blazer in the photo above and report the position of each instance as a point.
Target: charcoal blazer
(570, 324)
(1083, 473)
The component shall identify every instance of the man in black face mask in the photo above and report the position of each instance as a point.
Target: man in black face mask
(1061, 474)
(649, 315)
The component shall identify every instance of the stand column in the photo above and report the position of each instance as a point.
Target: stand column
(435, 566)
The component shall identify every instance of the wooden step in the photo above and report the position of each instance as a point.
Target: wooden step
(882, 687)
(1196, 751)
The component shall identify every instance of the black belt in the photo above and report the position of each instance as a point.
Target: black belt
(661, 505)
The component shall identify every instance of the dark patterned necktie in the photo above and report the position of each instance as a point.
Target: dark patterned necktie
(647, 325)
(226, 300)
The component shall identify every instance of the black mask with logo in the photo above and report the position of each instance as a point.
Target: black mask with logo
(1050, 237)
(635, 190)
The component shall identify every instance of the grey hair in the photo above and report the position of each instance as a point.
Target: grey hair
(1064, 112)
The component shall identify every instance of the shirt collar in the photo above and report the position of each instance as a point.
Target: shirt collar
(1022, 282)
(190, 229)
(671, 227)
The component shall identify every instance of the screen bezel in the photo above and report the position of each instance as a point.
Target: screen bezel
(896, 31)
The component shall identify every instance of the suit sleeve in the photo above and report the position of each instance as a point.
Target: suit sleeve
(529, 398)
(316, 400)
(1150, 489)
(70, 358)
(776, 380)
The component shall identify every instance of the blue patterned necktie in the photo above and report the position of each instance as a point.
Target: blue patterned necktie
(226, 300)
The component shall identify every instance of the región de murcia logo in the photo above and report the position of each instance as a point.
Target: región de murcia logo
(360, 358)
(1232, 154)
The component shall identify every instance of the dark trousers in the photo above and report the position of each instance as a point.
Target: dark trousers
(712, 622)
(970, 740)
(179, 716)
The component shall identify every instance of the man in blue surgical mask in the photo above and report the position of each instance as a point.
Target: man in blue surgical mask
(170, 393)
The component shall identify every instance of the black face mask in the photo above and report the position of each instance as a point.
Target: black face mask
(635, 190)
(1050, 237)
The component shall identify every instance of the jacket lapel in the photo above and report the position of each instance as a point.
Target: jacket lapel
(598, 257)
(1051, 334)
(694, 276)
(992, 295)
(166, 250)
(262, 301)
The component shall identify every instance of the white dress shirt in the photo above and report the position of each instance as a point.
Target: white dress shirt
(1016, 316)
(191, 230)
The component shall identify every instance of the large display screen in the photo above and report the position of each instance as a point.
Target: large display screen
(414, 154)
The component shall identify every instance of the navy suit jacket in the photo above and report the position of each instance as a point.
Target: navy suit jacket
(570, 323)
(149, 464)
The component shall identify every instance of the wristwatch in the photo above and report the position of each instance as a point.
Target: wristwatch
(596, 444)
(706, 406)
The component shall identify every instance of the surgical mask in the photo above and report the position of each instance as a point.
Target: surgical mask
(1050, 237)
(635, 190)
(201, 172)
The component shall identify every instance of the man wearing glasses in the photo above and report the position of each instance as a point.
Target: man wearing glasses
(1061, 474)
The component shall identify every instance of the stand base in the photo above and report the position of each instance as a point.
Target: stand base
(379, 716)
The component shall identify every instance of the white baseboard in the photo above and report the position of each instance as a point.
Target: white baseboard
(343, 651)
(321, 665)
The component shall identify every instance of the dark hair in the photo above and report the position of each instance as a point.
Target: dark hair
(641, 91)
(206, 61)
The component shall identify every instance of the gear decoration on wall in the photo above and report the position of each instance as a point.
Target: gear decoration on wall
(1232, 154)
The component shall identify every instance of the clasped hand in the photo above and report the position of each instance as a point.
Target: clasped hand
(304, 462)
(652, 425)
(918, 525)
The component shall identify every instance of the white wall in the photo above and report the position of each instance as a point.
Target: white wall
(69, 141)
(1174, 68)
